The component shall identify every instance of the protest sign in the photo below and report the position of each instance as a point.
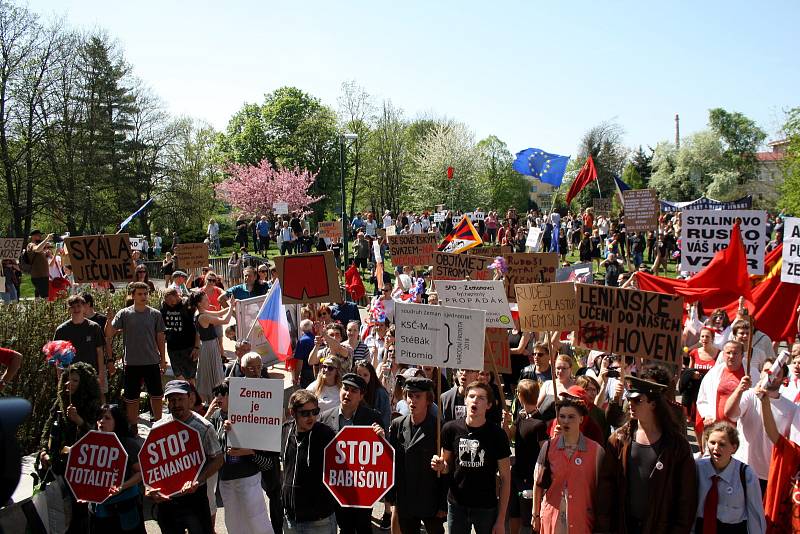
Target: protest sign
(704, 232)
(330, 229)
(486, 295)
(478, 215)
(171, 456)
(602, 206)
(438, 217)
(11, 247)
(577, 272)
(136, 243)
(629, 322)
(496, 347)
(308, 277)
(391, 230)
(358, 467)
(439, 335)
(790, 264)
(547, 307)
(280, 208)
(96, 462)
(529, 268)
(96, 258)
(534, 240)
(255, 409)
(490, 252)
(641, 209)
(448, 266)
(412, 249)
(192, 255)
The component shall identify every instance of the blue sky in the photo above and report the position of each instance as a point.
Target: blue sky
(532, 73)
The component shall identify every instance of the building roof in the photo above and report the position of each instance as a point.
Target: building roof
(770, 156)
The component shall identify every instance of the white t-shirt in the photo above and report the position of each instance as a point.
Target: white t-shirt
(328, 397)
(755, 448)
(370, 227)
(425, 222)
(387, 220)
(416, 228)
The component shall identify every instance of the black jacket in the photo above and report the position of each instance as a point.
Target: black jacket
(417, 490)
(305, 497)
(364, 416)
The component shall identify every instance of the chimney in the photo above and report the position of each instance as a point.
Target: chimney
(677, 131)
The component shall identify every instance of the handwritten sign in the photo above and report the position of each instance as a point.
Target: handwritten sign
(280, 208)
(629, 322)
(602, 206)
(97, 258)
(255, 409)
(641, 209)
(439, 335)
(192, 255)
(490, 252)
(705, 232)
(496, 348)
(330, 229)
(486, 295)
(412, 249)
(529, 268)
(448, 266)
(534, 239)
(547, 307)
(11, 247)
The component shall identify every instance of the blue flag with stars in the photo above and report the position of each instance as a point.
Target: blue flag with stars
(544, 166)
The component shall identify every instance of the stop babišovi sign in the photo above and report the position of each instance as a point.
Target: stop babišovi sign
(171, 456)
(359, 467)
(96, 462)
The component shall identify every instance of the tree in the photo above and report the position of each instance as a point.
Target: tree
(790, 189)
(505, 187)
(698, 168)
(604, 143)
(447, 144)
(741, 137)
(643, 163)
(632, 177)
(252, 189)
(388, 159)
(356, 110)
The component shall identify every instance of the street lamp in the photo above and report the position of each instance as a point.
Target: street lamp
(351, 137)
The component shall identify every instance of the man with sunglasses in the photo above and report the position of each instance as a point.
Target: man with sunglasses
(539, 369)
(308, 507)
(353, 412)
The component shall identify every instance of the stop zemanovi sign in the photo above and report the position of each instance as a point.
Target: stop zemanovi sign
(358, 468)
(96, 462)
(171, 455)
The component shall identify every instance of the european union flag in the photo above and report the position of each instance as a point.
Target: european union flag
(544, 166)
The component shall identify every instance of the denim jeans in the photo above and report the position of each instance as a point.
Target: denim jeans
(638, 259)
(461, 519)
(321, 526)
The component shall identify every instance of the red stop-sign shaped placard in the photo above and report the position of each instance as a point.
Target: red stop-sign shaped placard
(171, 455)
(359, 467)
(96, 462)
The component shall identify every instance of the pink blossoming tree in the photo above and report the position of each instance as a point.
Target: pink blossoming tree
(253, 189)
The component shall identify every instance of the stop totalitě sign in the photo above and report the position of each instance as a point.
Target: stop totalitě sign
(96, 462)
(358, 468)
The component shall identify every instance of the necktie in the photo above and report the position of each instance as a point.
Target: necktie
(710, 508)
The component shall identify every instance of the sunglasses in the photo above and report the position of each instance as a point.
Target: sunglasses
(212, 279)
(329, 368)
(308, 413)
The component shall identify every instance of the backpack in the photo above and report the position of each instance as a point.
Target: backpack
(24, 262)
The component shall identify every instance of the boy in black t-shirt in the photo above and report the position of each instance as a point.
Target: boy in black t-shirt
(474, 450)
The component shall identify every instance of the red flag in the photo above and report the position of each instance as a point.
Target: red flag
(354, 284)
(450, 173)
(719, 283)
(587, 174)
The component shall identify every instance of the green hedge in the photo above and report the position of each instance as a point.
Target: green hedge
(26, 327)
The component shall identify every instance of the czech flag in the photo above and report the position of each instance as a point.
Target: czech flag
(274, 324)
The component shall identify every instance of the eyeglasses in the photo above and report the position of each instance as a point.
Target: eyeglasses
(308, 413)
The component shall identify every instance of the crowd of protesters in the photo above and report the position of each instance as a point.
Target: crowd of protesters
(587, 442)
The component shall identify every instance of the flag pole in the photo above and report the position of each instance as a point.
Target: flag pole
(597, 181)
(253, 325)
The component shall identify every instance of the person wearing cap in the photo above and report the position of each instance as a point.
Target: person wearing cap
(308, 506)
(452, 401)
(352, 411)
(418, 496)
(144, 358)
(567, 472)
(651, 485)
(179, 279)
(188, 510)
(474, 451)
(40, 268)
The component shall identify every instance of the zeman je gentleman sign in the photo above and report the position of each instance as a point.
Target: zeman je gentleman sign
(96, 258)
